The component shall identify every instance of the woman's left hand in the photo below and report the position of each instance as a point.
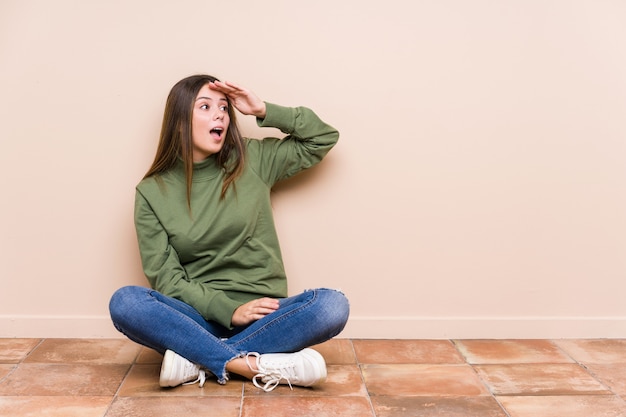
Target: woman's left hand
(243, 99)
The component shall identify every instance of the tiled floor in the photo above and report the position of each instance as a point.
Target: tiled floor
(378, 378)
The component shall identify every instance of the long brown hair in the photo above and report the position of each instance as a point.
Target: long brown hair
(175, 140)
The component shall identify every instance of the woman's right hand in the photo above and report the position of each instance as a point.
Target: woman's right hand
(243, 99)
(253, 311)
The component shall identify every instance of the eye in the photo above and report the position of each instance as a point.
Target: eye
(204, 107)
(224, 108)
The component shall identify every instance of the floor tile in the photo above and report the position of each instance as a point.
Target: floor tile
(175, 407)
(595, 350)
(54, 406)
(613, 376)
(15, 350)
(342, 380)
(87, 351)
(375, 378)
(437, 407)
(5, 369)
(422, 380)
(274, 406)
(511, 351)
(407, 351)
(143, 381)
(63, 380)
(539, 379)
(337, 352)
(564, 406)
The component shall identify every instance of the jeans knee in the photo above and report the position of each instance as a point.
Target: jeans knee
(122, 300)
(336, 307)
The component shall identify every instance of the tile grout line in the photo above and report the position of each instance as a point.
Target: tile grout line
(115, 395)
(367, 392)
(33, 349)
(243, 389)
(583, 366)
(21, 361)
(482, 381)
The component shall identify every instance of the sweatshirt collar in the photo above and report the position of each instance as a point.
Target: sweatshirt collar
(203, 170)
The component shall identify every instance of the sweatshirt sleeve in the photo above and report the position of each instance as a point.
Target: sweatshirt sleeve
(308, 140)
(165, 273)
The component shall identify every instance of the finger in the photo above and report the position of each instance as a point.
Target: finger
(269, 303)
(265, 308)
(221, 87)
(262, 313)
(226, 87)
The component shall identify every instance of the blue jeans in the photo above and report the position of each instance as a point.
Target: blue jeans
(159, 322)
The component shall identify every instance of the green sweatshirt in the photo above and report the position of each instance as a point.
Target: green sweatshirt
(226, 252)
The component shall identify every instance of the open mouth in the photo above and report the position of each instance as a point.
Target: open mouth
(216, 132)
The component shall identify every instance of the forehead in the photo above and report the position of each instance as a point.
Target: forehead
(206, 93)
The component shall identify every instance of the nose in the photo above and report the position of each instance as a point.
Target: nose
(219, 115)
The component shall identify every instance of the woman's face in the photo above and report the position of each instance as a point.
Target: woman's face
(209, 123)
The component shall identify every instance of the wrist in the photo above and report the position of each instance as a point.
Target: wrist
(261, 112)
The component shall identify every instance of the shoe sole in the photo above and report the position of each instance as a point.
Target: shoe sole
(315, 357)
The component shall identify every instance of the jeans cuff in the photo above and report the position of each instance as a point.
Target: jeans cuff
(225, 376)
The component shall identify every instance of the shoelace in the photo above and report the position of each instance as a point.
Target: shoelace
(271, 377)
(190, 368)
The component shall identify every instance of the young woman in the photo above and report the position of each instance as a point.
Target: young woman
(218, 298)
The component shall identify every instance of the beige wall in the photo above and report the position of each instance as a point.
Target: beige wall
(478, 189)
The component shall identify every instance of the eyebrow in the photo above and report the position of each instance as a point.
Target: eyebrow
(209, 98)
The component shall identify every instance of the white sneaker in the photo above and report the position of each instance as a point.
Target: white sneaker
(305, 368)
(176, 370)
